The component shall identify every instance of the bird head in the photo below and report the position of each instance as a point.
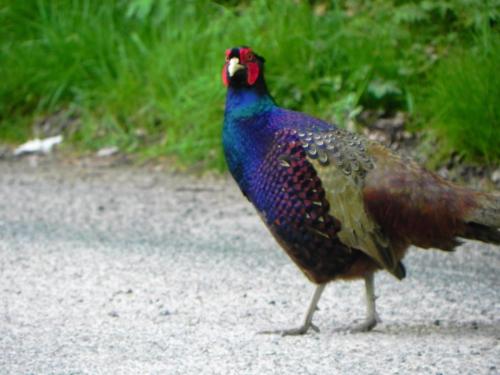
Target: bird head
(242, 67)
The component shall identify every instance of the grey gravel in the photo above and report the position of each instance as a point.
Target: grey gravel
(132, 271)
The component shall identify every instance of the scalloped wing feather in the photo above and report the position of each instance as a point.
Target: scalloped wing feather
(342, 162)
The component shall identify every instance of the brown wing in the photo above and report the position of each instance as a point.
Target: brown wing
(413, 205)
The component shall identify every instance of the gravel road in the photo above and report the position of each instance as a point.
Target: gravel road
(136, 271)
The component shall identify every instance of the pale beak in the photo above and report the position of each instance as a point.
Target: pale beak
(233, 66)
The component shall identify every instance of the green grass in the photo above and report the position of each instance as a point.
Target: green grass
(144, 75)
(464, 100)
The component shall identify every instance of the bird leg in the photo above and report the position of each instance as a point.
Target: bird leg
(308, 319)
(371, 313)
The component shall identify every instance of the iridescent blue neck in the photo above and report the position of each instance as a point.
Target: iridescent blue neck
(244, 102)
(246, 127)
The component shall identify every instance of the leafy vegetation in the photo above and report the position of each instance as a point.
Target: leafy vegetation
(144, 75)
(464, 102)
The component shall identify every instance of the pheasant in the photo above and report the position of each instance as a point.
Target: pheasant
(340, 205)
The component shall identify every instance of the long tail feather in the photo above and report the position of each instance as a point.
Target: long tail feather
(481, 232)
(483, 222)
(488, 211)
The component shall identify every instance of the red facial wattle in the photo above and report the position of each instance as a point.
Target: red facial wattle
(224, 75)
(252, 72)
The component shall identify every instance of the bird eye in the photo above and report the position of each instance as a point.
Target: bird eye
(250, 56)
(228, 52)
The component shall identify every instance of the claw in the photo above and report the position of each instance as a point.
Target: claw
(314, 328)
(366, 326)
(293, 331)
(307, 321)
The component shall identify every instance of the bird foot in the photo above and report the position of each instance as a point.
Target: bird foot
(365, 326)
(292, 332)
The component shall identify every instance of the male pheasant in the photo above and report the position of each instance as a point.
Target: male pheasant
(341, 206)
